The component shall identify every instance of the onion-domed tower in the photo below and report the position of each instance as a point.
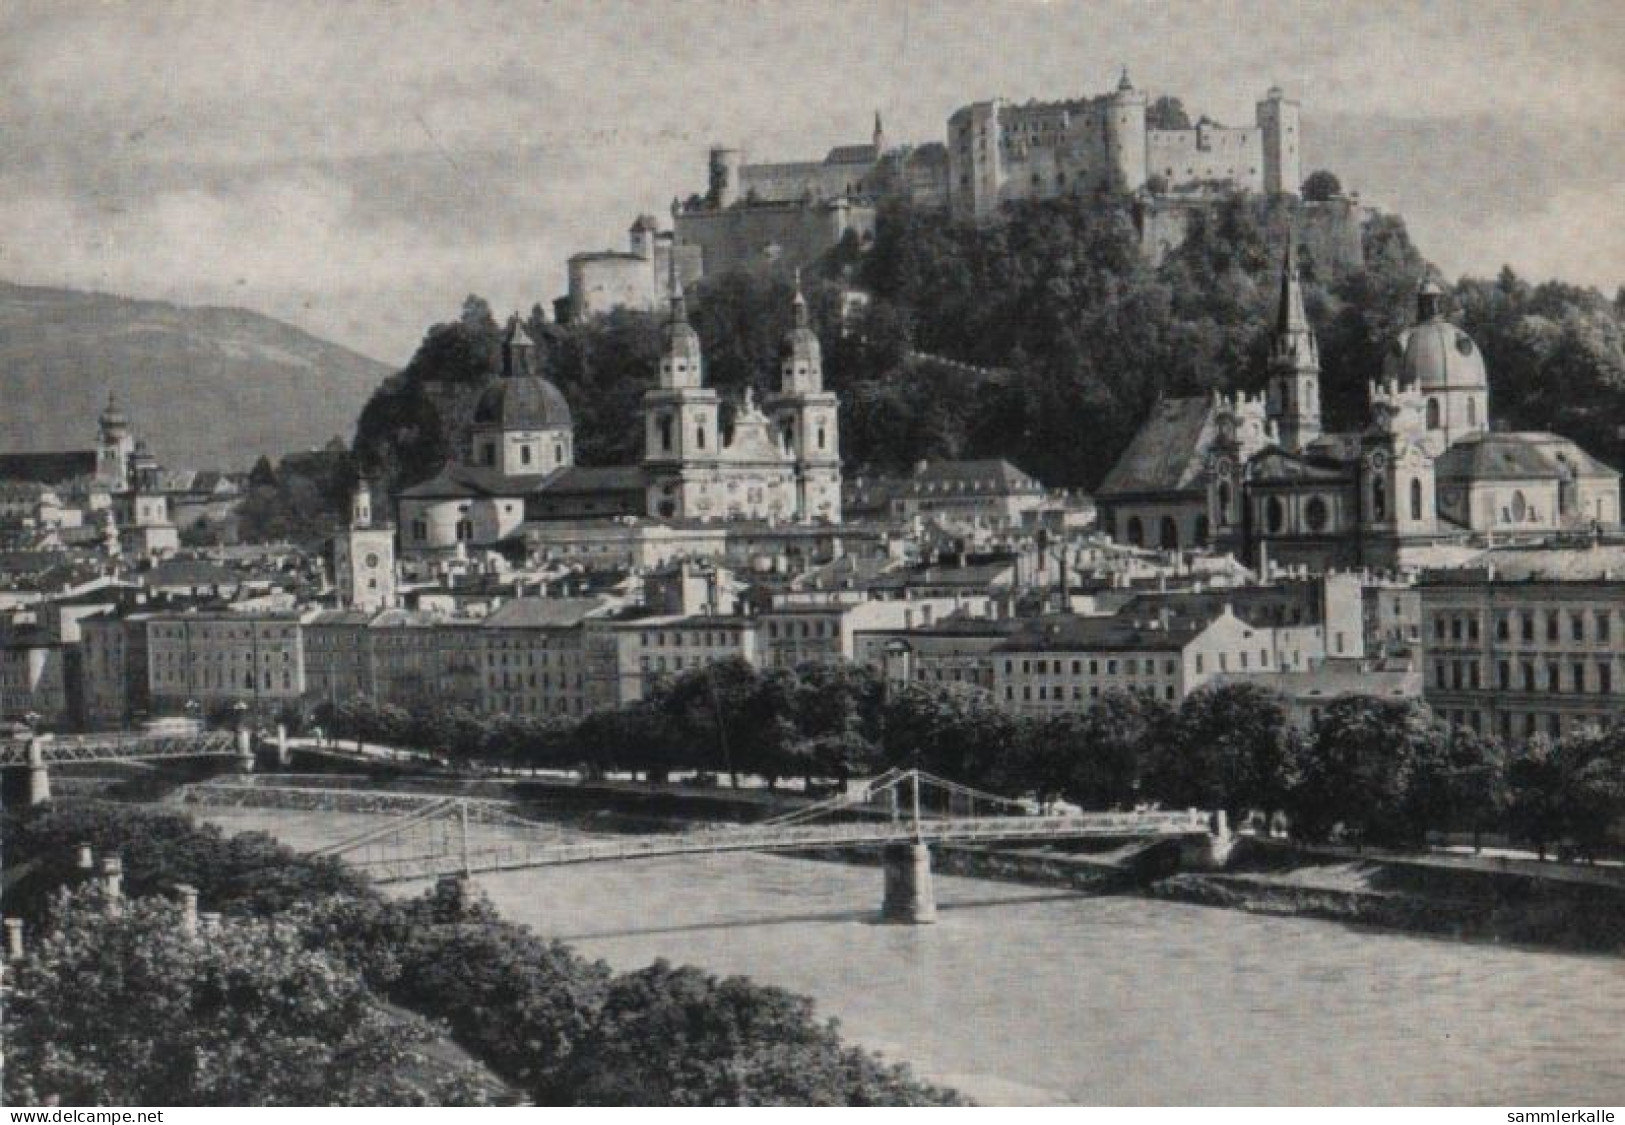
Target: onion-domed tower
(807, 419)
(115, 447)
(681, 435)
(1444, 365)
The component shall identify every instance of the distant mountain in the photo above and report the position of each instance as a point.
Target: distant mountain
(206, 387)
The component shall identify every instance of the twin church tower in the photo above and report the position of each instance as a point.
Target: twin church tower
(704, 459)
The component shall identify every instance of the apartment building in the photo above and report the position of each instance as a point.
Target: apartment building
(1526, 641)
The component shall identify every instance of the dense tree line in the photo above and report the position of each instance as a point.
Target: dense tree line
(1076, 333)
(1369, 769)
(282, 1004)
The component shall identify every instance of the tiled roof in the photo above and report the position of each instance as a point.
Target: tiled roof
(1530, 455)
(1070, 633)
(1601, 562)
(852, 154)
(1168, 453)
(1274, 465)
(542, 613)
(48, 468)
(456, 480)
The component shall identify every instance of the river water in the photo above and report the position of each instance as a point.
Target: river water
(1024, 995)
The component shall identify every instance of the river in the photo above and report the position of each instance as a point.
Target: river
(1024, 995)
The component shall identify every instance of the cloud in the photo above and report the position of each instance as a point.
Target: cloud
(359, 168)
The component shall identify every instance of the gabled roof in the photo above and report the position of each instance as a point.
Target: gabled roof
(190, 572)
(1071, 633)
(1169, 452)
(543, 613)
(1280, 465)
(456, 480)
(581, 480)
(48, 468)
(852, 154)
(1530, 455)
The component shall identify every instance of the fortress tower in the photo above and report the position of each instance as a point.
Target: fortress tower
(115, 448)
(1125, 135)
(1277, 117)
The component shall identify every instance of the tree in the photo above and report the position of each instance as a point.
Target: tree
(127, 1009)
(682, 1037)
(1359, 768)
(1230, 747)
(1321, 186)
(1167, 112)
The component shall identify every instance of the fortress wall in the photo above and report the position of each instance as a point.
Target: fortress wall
(790, 183)
(1184, 156)
(786, 236)
(599, 283)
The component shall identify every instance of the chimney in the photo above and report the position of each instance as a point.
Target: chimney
(113, 882)
(188, 897)
(14, 939)
(209, 921)
(86, 860)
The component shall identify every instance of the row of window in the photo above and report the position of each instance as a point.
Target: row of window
(1058, 666)
(163, 677)
(1459, 675)
(657, 639)
(510, 680)
(1057, 693)
(1465, 626)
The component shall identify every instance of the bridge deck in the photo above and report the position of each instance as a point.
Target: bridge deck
(120, 748)
(387, 869)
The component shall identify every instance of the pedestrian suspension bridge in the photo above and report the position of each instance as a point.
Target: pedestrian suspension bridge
(903, 812)
(39, 753)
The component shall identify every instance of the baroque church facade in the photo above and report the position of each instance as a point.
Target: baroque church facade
(1257, 476)
(705, 460)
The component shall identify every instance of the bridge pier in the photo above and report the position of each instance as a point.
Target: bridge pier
(910, 897)
(39, 775)
(245, 749)
(1209, 851)
(283, 757)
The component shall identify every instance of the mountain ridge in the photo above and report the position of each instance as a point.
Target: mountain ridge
(208, 386)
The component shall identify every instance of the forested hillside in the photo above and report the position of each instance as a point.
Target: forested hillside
(1072, 336)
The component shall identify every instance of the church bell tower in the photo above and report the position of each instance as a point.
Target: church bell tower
(1294, 363)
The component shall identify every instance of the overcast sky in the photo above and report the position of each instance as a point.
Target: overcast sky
(356, 169)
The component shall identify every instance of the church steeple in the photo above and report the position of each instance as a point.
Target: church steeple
(802, 368)
(880, 137)
(1294, 363)
(680, 360)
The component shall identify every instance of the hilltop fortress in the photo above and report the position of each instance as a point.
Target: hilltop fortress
(995, 152)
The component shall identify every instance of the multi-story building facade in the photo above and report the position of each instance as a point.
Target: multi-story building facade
(218, 658)
(1066, 663)
(533, 658)
(625, 656)
(1526, 641)
(114, 688)
(34, 678)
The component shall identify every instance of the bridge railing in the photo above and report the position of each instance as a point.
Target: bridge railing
(116, 747)
(389, 868)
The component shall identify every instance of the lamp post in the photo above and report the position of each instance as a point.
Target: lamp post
(245, 745)
(39, 776)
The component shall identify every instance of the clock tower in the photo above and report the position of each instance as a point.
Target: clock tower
(364, 557)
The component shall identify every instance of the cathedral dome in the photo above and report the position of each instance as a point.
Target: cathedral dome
(1433, 354)
(526, 403)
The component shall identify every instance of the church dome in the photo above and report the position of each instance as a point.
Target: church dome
(525, 403)
(1433, 354)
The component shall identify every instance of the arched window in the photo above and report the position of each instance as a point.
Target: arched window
(1274, 514)
(1201, 529)
(1224, 503)
(665, 432)
(1316, 514)
(699, 437)
(1520, 507)
(1433, 413)
(1135, 532)
(820, 437)
(1379, 499)
(1416, 498)
(1169, 533)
